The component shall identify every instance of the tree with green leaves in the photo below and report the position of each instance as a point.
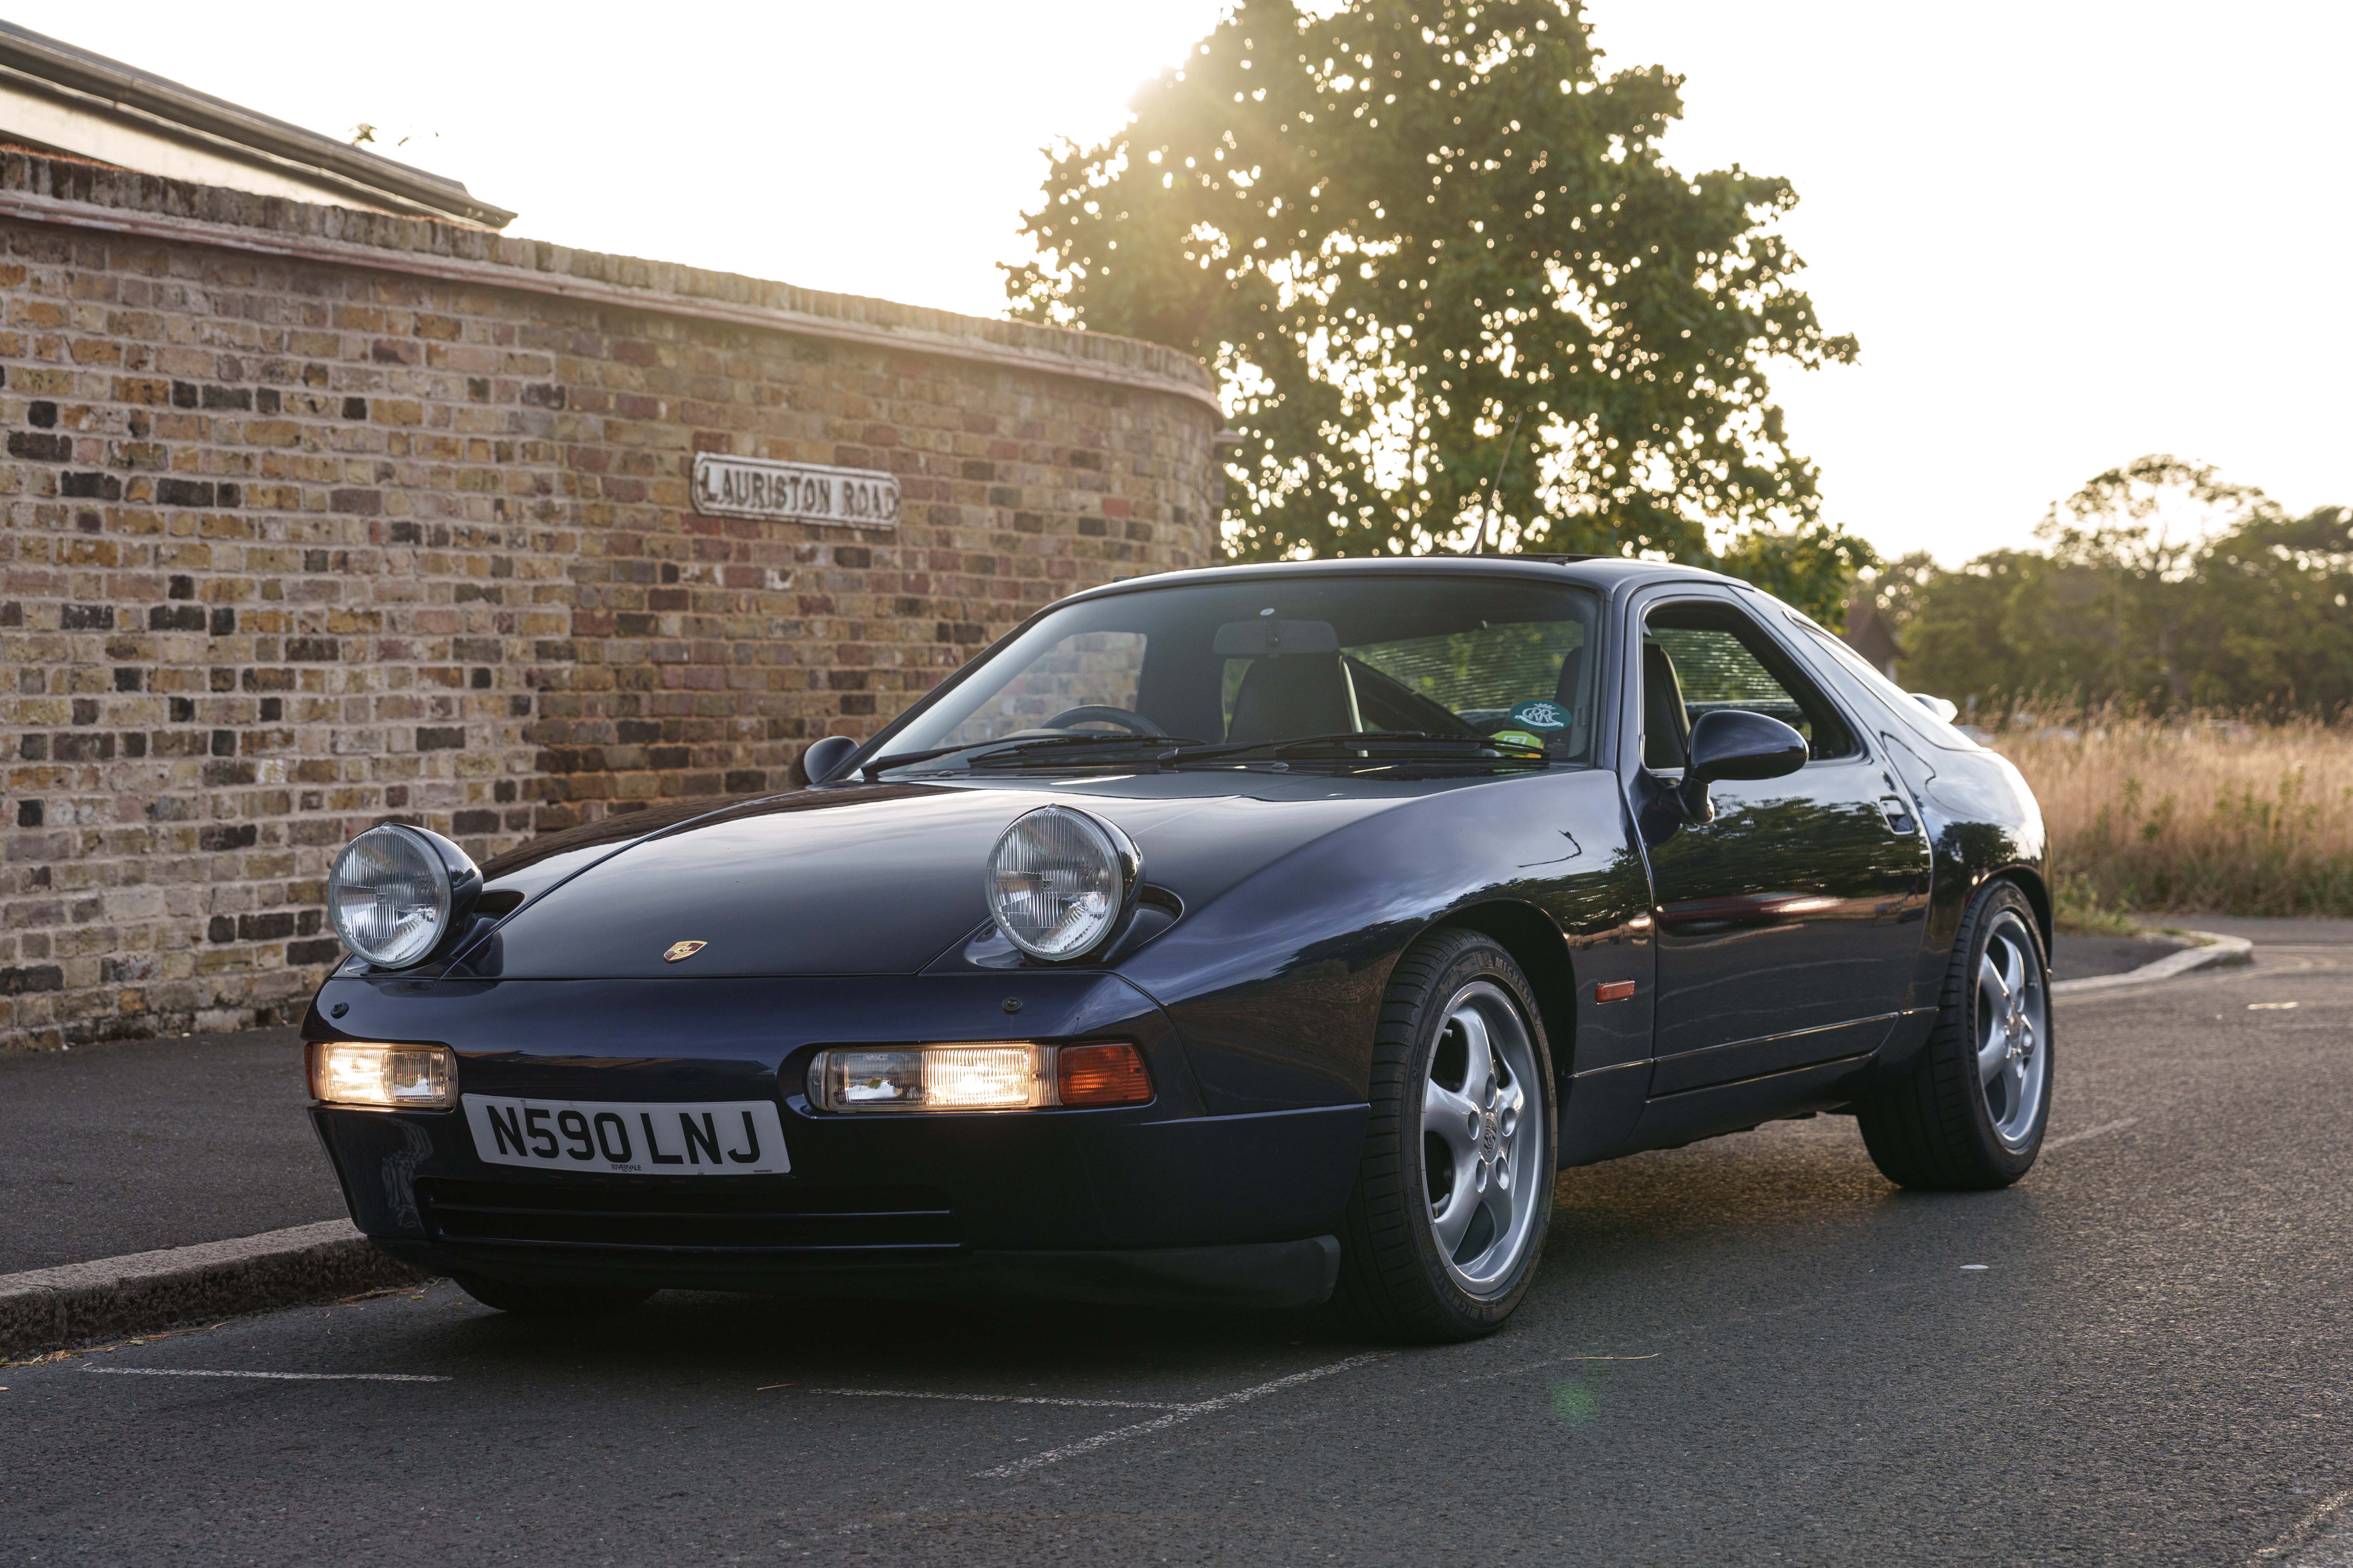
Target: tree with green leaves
(1435, 255)
(2158, 584)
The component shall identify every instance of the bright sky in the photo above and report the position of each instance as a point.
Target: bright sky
(2067, 233)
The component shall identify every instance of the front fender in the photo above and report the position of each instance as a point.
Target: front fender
(1275, 985)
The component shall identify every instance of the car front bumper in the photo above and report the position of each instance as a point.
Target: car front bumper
(1153, 1203)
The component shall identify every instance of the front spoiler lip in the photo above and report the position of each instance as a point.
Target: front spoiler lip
(1273, 1274)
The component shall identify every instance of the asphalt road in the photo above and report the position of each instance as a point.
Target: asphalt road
(1750, 1351)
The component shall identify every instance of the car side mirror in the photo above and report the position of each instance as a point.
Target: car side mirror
(822, 759)
(1731, 744)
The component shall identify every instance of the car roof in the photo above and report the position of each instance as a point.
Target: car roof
(1608, 574)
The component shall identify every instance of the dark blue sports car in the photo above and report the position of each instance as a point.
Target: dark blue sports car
(1240, 936)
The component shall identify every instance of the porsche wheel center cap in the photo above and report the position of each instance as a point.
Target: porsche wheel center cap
(1491, 1134)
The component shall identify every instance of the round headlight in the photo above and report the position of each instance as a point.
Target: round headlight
(1058, 880)
(392, 892)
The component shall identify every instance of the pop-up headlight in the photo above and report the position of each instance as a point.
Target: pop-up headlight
(1059, 881)
(394, 891)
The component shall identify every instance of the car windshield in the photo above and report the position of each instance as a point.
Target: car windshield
(1292, 668)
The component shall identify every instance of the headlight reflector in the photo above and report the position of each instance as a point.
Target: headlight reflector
(370, 1073)
(976, 1076)
(390, 894)
(1058, 880)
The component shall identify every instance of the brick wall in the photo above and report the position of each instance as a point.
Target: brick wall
(309, 518)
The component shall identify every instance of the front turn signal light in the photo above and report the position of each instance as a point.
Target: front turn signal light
(389, 1076)
(1101, 1075)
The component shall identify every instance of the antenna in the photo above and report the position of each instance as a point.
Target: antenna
(1487, 512)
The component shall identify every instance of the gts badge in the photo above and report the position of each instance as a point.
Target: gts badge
(680, 949)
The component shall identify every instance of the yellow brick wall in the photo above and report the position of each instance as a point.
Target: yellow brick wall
(292, 545)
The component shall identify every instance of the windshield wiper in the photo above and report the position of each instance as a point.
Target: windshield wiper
(1159, 746)
(1386, 742)
(1013, 752)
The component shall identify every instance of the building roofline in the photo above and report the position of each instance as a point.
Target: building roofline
(98, 85)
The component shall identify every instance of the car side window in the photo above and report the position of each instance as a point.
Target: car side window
(1702, 658)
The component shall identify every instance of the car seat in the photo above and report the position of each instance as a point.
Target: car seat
(1285, 696)
(1666, 727)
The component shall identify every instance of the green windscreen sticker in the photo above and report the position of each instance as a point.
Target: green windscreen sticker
(1541, 716)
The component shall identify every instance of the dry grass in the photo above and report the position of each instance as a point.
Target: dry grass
(2205, 813)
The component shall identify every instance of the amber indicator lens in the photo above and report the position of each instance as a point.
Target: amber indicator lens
(1102, 1075)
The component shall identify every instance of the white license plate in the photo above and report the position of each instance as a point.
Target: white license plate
(674, 1138)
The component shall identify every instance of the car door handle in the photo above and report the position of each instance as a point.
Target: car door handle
(1898, 812)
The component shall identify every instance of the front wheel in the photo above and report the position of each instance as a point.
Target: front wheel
(1972, 1114)
(1447, 1220)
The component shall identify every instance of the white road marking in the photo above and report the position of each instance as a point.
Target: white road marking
(2101, 1130)
(996, 1398)
(1180, 1413)
(280, 1376)
(2303, 1527)
(2271, 1007)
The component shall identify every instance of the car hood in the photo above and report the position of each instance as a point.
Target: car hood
(880, 879)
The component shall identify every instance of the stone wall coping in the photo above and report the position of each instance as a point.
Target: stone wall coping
(149, 208)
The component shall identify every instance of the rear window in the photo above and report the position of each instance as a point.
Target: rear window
(1906, 708)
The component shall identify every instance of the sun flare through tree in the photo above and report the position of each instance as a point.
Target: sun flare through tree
(1401, 230)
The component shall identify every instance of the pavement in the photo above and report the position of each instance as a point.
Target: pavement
(139, 1144)
(1749, 1351)
(2083, 957)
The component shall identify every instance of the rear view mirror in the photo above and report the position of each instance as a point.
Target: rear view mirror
(1731, 744)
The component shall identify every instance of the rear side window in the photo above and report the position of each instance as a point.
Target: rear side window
(1900, 702)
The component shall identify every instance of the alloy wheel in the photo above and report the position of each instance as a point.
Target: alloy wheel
(1483, 1132)
(2013, 1030)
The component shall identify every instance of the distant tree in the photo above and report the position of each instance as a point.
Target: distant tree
(2272, 622)
(1399, 229)
(1960, 642)
(2158, 584)
(1891, 588)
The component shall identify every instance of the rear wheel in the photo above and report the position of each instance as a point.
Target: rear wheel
(549, 1301)
(1447, 1220)
(1972, 1114)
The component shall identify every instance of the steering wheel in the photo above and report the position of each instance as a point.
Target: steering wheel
(1095, 714)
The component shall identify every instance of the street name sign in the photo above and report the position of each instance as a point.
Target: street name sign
(794, 492)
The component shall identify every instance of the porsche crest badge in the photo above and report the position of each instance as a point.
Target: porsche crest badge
(679, 950)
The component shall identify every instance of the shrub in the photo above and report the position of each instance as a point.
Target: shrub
(2198, 812)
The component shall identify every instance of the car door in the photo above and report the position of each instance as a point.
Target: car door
(1788, 926)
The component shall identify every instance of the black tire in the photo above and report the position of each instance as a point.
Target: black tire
(1936, 1129)
(549, 1301)
(1394, 1277)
